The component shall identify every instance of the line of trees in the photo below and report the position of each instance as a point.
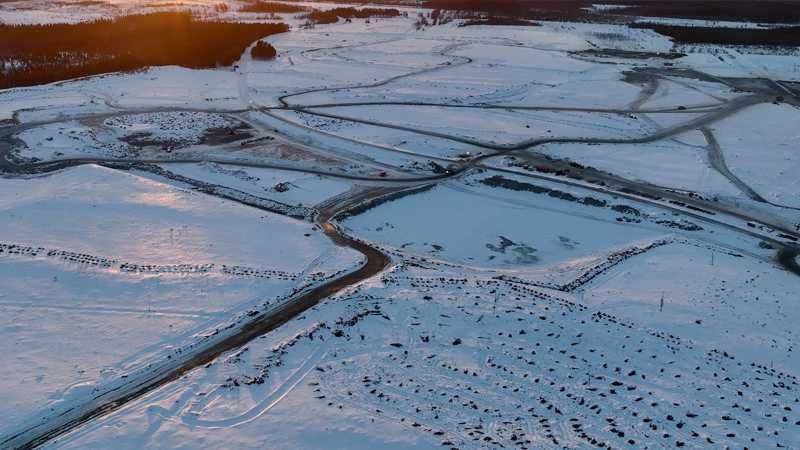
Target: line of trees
(521, 9)
(36, 54)
(680, 34)
(333, 15)
(762, 11)
(272, 7)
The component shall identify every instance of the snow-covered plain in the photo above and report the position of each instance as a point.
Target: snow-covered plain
(102, 268)
(460, 360)
(667, 163)
(524, 306)
(763, 150)
(441, 224)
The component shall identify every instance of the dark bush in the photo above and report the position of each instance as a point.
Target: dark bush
(36, 54)
(263, 50)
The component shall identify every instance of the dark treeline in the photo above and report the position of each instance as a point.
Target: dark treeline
(333, 15)
(519, 9)
(263, 50)
(680, 34)
(273, 7)
(764, 11)
(36, 54)
(351, 2)
(500, 21)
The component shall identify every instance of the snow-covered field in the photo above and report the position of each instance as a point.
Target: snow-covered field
(763, 150)
(101, 268)
(427, 358)
(674, 164)
(589, 239)
(442, 224)
(294, 188)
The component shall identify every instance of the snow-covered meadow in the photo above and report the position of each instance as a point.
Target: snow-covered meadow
(102, 269)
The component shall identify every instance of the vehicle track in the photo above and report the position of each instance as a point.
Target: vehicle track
(679, 110)
(717, 159)
(728, 109)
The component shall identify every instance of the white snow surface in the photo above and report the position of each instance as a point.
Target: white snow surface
(102, 268)
(521, 308)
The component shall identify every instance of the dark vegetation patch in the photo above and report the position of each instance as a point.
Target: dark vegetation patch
(273, 7)
(357, 2)
(628, 54)
(762, 11)
(568, 10)
(788, 259)
(765, 11)
(166, 5)
(212, 136)
(83, 3)
(226, 135)
(629, 213)
(511, 8)
(36, 54)
(366, 206)
(333, 15)
(263, 50)
(501, 21)
(681, 34)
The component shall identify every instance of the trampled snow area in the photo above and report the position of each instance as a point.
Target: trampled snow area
(473, 362)
(397, 235)
(734, 294)
(123, 135)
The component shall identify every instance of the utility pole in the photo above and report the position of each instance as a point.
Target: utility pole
(661, 303)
